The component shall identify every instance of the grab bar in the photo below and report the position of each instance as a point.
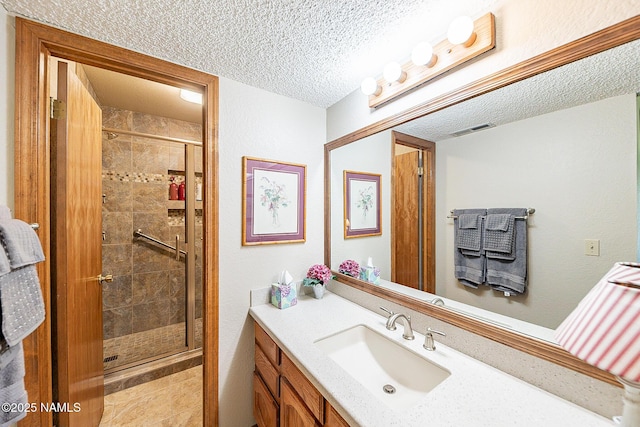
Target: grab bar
(139, 233)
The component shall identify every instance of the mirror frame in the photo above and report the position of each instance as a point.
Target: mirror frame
(35, 43)
(600, 41)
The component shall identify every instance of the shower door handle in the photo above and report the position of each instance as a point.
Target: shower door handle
(105, 279)
(177, 247)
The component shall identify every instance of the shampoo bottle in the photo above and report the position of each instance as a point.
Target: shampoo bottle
(181, 191)
(173, 189)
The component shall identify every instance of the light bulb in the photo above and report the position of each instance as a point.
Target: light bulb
(422, 54)
(370, 87)
(393, 73)
(461, 31)
(191, 96)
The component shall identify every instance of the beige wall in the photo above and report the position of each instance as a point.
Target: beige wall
(259, 124)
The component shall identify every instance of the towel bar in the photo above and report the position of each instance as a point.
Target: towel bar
(530, 211)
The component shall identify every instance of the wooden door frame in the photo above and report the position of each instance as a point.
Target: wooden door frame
(428, 205)
(35, 42)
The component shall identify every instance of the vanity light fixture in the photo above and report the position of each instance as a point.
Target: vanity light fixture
(461, 31)
(422, 54)
(466, 40)
(370, 86)
(393, 72)
(604, 331)
(191, 96)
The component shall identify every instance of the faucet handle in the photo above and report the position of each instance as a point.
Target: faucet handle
(429, 342)
(386, 310)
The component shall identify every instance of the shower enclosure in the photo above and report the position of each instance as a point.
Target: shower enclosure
(151, 245)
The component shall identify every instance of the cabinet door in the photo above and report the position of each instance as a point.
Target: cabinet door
(293, 412)
(333, 418)
(265, 408)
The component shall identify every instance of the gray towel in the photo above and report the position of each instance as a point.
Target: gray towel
(469, 265)
(12, 388)
(510, 275)
(469, 232)
(498, 238)
(21, 243)
(5, 266)
(21, 302)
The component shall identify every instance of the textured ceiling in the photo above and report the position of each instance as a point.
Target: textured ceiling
(317, 51)
(611, 73)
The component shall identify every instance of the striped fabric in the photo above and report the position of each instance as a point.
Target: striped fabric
(604, 330)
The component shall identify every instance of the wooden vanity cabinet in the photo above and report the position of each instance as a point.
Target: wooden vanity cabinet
(332, 418)
(266, 380)
(293, 411)
(282, 395)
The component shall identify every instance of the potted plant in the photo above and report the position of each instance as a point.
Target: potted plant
(317, 277)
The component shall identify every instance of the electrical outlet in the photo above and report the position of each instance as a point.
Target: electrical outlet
(592, 247)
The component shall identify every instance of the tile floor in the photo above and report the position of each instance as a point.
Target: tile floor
(171, 401)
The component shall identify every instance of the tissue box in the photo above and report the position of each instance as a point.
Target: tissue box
(370, 274)
(283, 296)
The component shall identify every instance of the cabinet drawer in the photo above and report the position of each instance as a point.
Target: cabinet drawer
(265, 408)
(268, 346)
(309, 394)
(268, 372)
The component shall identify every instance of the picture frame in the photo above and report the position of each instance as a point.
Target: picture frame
(273, 202)
(362, 204)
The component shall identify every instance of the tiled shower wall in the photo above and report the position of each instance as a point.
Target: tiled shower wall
(148, 290)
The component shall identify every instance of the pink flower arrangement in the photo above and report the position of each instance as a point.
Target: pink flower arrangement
(317, 274)
(350, 268)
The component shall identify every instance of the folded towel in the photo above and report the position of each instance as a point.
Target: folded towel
(21, 243)
(21, 302)
(469, 264)
(12, 389)
(498, 238)
(5, 266)
(7, 353)
(510, 275)
(468, 233)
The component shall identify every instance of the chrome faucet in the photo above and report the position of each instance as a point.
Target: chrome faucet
(406, 321)
(437, 301)
(429, 342)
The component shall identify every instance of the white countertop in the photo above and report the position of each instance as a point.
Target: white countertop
(475, 394)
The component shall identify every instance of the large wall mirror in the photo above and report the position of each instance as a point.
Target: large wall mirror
(562, 141)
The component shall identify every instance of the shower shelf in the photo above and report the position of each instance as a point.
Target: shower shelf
(179, 204)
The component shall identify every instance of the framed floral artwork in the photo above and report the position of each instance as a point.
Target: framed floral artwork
(273, 202)
(362, 204)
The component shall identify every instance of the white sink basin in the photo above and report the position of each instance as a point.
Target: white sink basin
(376, 362)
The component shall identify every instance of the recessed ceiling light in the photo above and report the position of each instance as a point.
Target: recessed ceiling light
(191, 96)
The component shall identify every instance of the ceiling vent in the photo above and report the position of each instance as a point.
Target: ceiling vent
(473, 129)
